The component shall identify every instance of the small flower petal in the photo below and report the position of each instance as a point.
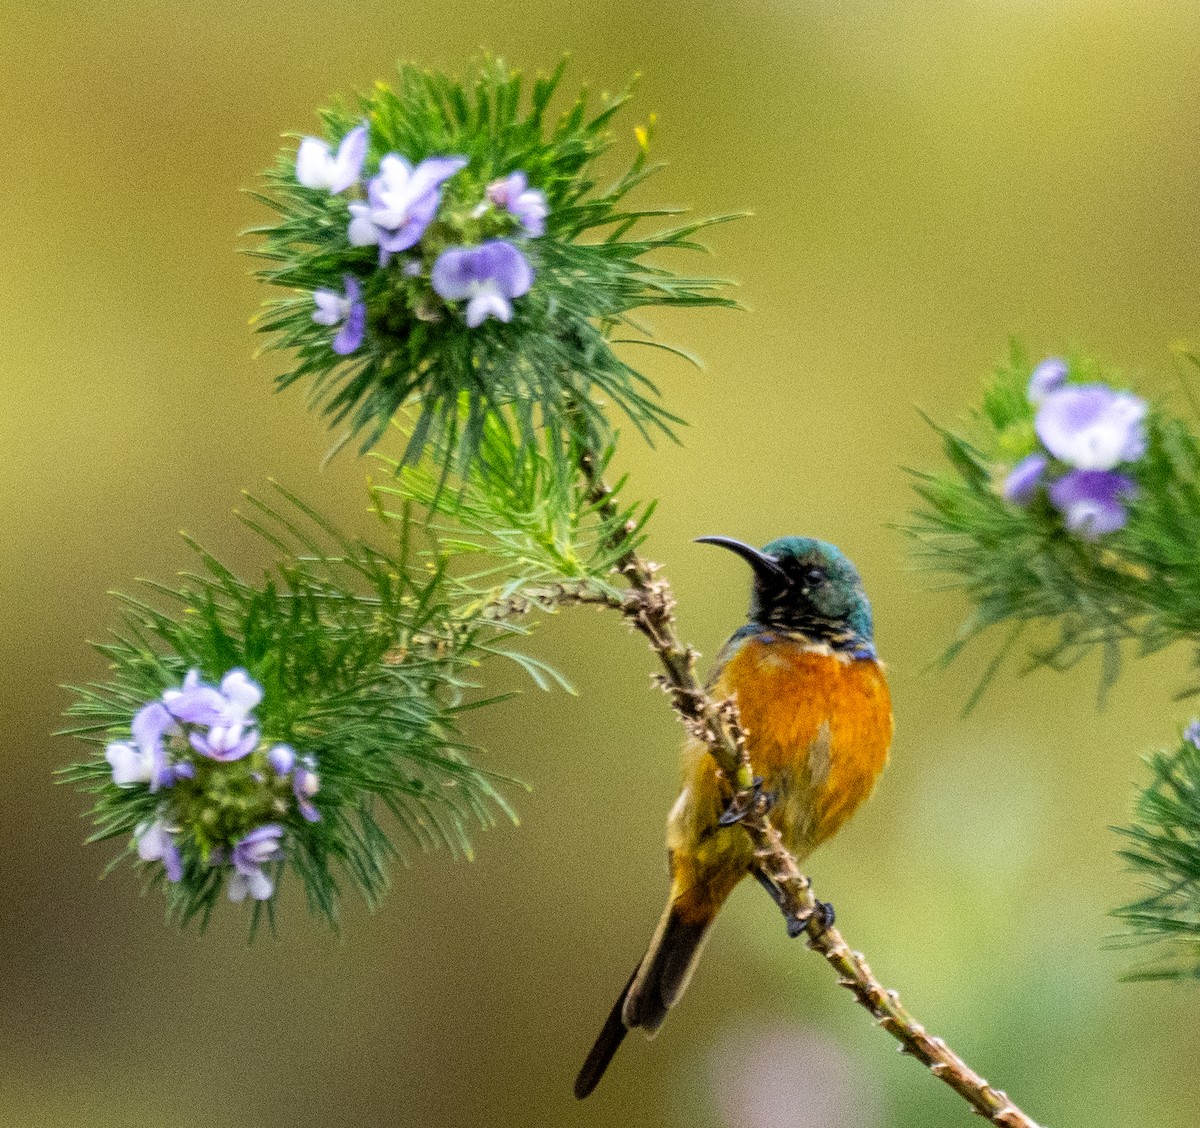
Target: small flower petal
(454, 273)
(317, 167)
(282, 759)
(305, 784)
(1024, 479)
(225, 743)
(195, 703)
(172, 861)
(1048, 376)
(155, 842)
(488, 302)
(531, 209)
(351, 335)
(241, 693)
(330, 307)
(261, 845)
(361, 232)
(129, 764)
(347, 166)
(238, 888)
(313, 163)
(1091, 501)
(350, 311)
(150, 723)
(489, 276)
(1092, 427)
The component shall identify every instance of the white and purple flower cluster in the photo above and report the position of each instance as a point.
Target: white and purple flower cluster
(402, 201)
(1091, 429)
(197, 726)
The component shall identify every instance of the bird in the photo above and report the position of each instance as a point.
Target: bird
(815, 710)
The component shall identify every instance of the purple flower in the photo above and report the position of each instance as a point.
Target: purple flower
(305, 781)
(1192, 734)
(1024, 479)
(282, 759)
(1047, 377)
(488, 276)
(1091, 427)
(241, 695)
(198, 703)
(250, 854)
(401, 202)
(156, 843)
(145, 760)
(1091, 501)
(225, 743)
(317, 167)
(347, 310)
(305, 784)
(528, 205)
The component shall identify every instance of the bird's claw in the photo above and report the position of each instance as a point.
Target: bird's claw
(744, 802)
(822, 915)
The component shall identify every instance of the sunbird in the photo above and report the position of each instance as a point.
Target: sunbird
(814, 706)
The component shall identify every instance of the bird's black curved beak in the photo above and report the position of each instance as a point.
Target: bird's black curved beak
(765, 568)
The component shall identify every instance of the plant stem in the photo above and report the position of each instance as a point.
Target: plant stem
(651, 610)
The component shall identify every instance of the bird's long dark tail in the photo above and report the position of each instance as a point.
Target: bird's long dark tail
(607, 1044)
(654, 987)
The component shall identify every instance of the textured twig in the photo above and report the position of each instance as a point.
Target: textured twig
(651, 610)
(855, 975)
(548, 597)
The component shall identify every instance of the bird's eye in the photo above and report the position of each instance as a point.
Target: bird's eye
(813, 577)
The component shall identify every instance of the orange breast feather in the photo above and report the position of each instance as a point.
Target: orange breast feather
(818, 728)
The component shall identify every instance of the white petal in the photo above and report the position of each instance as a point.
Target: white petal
(395, 171)
(237, 888)
(362, 232)
(153, 842)
(242, 693)
(314, 163)
(329, 307)
(487, 302)
(129, 765)
(260, 885)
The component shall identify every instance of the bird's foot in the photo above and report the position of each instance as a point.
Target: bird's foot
(743, 802)
(823, 916)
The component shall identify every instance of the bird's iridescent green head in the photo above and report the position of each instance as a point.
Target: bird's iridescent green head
(807, 585)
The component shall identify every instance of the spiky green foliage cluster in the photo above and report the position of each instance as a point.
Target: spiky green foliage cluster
(1164, 854)
(365, 656)
(553, 366)
(1019, 565)
(526, 516)
(365, 664)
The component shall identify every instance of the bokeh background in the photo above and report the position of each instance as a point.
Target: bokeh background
(927, 179)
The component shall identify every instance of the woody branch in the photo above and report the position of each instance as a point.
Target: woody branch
(650, 607)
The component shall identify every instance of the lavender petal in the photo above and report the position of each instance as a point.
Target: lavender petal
(1092, 427)
(1024, 479)
(1047, 377)
(1091, 501)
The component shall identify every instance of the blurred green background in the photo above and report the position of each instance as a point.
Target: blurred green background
(927, 178)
